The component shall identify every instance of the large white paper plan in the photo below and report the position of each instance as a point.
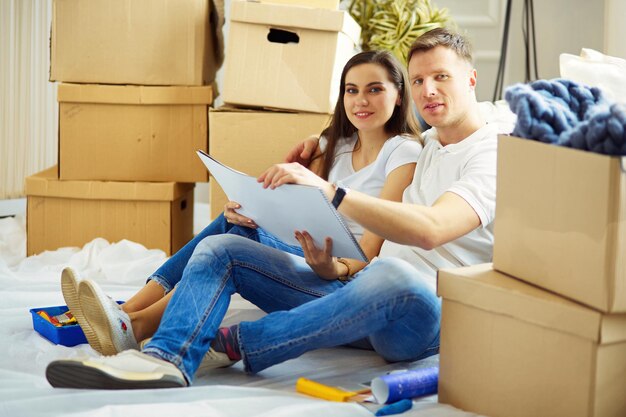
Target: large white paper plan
(285, 209)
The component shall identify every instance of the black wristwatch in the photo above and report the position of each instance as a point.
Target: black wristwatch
(340, 193)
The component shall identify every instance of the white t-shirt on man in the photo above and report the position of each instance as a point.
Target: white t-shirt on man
(396, 151)
(468, 169)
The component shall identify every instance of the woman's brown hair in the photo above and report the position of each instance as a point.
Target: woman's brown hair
(402, 121)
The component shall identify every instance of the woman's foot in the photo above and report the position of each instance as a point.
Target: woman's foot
(111, 325)
(69, 288)
(211, 360)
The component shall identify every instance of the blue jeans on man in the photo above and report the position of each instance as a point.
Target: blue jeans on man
(387, 303)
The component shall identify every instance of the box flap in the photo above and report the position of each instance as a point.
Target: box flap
(46, 183)
(227, 108)
(134, 94)
(323, 4)
(613, 328)
(296, 17)
(482, 287)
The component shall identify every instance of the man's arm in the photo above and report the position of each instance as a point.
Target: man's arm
(303, 152)
(449, 218)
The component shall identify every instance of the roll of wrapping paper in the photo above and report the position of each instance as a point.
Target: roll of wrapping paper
(407, 384)
(315, 389)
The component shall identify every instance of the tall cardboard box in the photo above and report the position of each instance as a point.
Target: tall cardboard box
(132, 133)
(287, 57)
(72, 213)
(510, 349)
(145, 42)
(561, 221)
(251, 141)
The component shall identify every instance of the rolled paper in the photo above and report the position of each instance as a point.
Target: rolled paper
(407, 384)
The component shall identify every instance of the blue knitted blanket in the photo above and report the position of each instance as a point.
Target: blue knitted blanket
(565, 113)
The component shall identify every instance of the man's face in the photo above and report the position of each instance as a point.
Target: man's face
(442, 86)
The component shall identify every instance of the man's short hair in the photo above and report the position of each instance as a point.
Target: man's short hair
(443, 37)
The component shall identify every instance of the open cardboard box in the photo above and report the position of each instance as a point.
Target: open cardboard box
(561, 221)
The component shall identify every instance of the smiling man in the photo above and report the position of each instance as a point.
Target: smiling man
(445, 220)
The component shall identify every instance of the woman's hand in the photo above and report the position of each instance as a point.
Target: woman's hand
(320, 260)
(294, 173)
(235, 218)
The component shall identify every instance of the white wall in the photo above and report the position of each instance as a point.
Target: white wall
(561, 26)
(615, 28)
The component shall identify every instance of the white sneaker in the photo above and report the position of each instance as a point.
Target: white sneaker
(111, 325)
(211, 360)
(127, 370)
(69, 288)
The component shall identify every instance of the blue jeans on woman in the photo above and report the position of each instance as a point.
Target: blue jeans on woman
(170, 273)
(387, 303)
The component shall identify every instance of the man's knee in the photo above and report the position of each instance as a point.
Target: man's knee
(394, 276)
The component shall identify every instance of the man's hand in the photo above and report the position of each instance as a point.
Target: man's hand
(235, 218)
(303, 151)
(294, 173)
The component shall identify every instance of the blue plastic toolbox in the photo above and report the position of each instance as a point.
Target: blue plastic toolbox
(70, 335)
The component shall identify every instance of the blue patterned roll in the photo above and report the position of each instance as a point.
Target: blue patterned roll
(408, 384)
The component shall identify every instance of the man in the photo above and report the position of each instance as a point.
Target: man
(445, 220)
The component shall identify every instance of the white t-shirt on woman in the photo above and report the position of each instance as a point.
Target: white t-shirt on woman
(396, 151)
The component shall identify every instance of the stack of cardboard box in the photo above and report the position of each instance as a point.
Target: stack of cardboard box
(542, 332)
(135, 89)
(281, 81)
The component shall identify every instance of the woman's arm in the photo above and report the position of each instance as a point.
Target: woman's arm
(396, 182)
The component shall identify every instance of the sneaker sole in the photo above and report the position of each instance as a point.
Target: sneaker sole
(97, 318)
(69, 288)
(66, 374)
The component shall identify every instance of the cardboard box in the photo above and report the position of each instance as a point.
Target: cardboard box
(510, 349)
(251, 141)
(561, 221)
(145, 42)
(72, 213)
(321, 4)
(132, 133)
(302, 74)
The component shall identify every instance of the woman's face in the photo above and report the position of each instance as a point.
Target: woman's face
(370, 97)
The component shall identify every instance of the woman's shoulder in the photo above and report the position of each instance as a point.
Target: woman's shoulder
(405, 142)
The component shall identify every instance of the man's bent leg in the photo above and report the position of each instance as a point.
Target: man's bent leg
(387, 302)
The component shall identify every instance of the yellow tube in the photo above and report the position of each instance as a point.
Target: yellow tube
(315, 389)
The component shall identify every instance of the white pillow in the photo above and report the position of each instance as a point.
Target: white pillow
(595, 69)
(499, 114)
